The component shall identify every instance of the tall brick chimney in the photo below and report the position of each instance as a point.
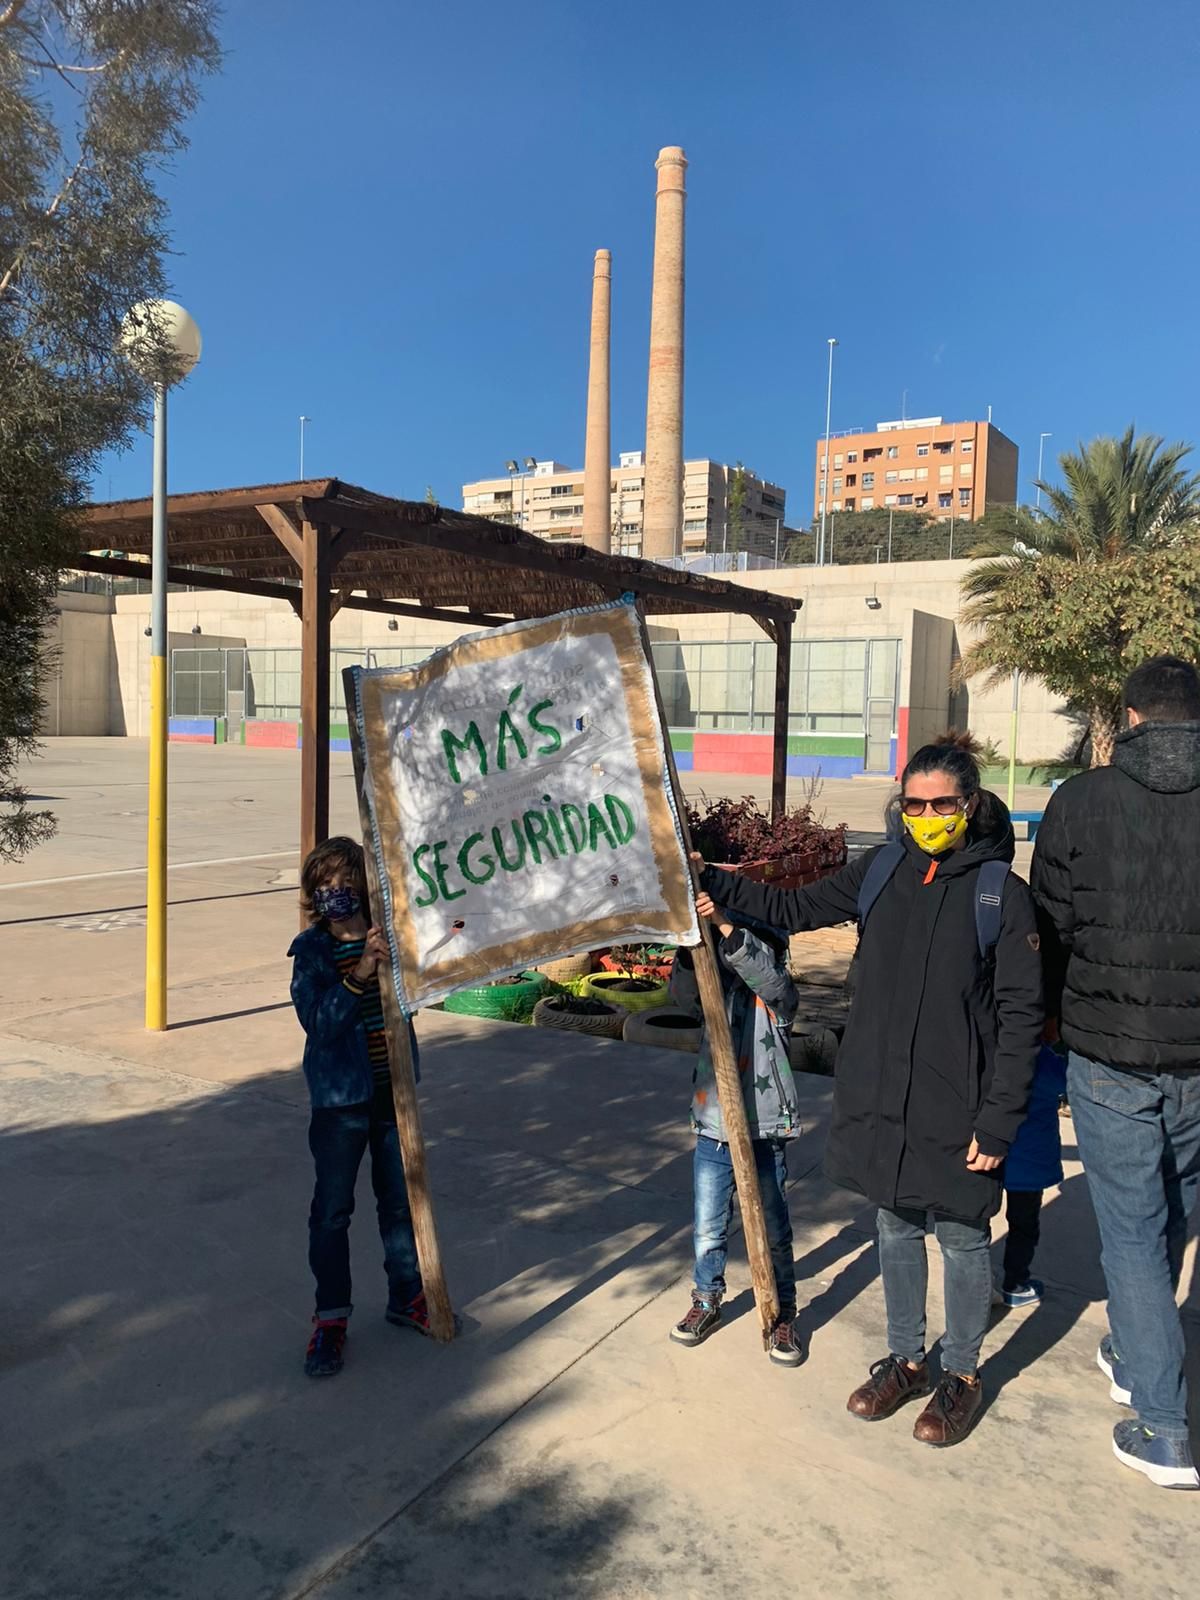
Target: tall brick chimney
(597, 457)
(662, 526)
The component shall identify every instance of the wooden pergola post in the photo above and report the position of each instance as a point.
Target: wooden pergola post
(781, 725)
(316, 572)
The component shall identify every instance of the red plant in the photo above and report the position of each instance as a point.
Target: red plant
(739, 831)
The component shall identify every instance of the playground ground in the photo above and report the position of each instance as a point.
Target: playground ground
(162, 1441)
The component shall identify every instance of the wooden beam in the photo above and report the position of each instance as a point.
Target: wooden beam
(285, 530)
(232, 583)
(781, 725)
(613, 575)
(314, 691)
(213, 501)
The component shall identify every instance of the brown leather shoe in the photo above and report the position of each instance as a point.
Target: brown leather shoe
(951, 1414)
(891, 1383)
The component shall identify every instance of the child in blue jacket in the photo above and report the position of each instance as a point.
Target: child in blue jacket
(1033, 1164)
(335, 989)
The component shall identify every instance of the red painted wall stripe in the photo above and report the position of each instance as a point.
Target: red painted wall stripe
(745, 753)
(272, 735)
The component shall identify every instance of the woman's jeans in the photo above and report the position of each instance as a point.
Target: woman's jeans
(967, 1268)
(339, 1137)
(714, 1189)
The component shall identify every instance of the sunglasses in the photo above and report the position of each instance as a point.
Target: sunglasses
(944, 806)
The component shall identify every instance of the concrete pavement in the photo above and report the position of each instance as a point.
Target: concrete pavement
(162, 1441)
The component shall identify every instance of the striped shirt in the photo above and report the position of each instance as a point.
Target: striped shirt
(347, 954)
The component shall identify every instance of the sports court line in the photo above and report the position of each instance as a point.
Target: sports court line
(132, 872)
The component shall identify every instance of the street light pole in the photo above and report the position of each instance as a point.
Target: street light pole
(303, 422)
(828, 460)
(1012, 738)
(1037, 503)
(163, 343)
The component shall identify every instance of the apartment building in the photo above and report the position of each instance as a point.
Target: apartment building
(945, 469)
(720, 510)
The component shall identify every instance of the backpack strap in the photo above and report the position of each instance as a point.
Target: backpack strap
(876, 878)
(989, 901)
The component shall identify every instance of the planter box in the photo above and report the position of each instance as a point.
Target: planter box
(792, 872)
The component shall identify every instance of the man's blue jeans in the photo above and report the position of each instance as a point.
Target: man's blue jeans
(1139, 1140)
(714, 1187)
(339, 1137)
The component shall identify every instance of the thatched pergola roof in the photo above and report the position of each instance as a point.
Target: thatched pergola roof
(349, 547)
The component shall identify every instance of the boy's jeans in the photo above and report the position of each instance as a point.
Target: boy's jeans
(338, 1137)
(1139, 1140)
(712, 1172)
(967, 1279)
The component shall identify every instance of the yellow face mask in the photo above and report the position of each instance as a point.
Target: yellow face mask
(935, 834)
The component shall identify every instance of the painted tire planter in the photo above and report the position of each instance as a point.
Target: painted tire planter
(666, 1027)
(813, 1048)
(654, 969)
(568, 968)
(631, 994)
(511, 1001)
(569, 1013)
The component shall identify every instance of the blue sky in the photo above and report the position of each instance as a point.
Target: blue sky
(388, 214)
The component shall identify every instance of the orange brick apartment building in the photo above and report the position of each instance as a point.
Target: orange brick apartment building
(946, 469)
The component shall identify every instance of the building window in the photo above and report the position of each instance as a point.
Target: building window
(945, 501)
(850, 503)
(871, 455)
(945, 447)
(837, 505)
(851, 479)
(695, 526)
(837, 486)
(922, 449)
(965, 470)
(821, 486)
(822, 462)
(851, 457)
(893, 451)
(964, 497)
(891, 477)
(967, 446)
(921, 500)
(905, 500)
(889, 499)
(565, 512)
(922, 472)
(945, 474)
(837, 459)
(868, 480)
(907, 474)
(868, 503)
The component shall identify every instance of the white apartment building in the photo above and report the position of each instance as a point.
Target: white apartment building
(547, 499)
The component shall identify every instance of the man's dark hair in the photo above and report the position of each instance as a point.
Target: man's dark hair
(1165, 689)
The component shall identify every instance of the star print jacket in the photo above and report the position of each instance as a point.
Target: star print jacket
(761, 1001)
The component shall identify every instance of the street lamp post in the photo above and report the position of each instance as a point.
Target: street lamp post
(304, 421)
(1037, 501)
(828, 463)
(163, 343)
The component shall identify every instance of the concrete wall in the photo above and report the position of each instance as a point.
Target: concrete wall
(79, 659)
(101, 631)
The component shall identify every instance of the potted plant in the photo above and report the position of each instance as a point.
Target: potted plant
(792, 851)
(639, 960)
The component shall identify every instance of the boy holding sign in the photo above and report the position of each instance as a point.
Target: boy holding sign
(761, 1000)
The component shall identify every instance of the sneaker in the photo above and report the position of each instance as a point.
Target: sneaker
(1110, 1365)
(952, 1412)
(700, 1320)
(1166, 1462)
(323, 1358)
(415, 1315)
(782, 1345)
(1023, 1295)
(892, 1382)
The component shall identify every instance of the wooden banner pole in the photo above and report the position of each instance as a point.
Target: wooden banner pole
(404, 1081)
(725, 1067)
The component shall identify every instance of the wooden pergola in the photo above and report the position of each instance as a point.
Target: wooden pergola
(350, 548)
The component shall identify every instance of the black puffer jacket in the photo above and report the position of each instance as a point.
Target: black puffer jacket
(937, 1049)
(1116, 875)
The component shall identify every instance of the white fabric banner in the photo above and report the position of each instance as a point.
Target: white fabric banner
(519, 801)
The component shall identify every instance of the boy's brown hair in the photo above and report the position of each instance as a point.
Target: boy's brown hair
(335, 855)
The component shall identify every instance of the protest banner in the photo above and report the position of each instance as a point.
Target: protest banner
(519, 804)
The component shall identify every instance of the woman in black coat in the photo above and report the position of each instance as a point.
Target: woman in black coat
(935, 1069)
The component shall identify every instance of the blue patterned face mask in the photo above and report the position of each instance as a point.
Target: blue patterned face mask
(336, 905)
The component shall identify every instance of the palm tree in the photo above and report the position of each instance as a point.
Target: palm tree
(1106, 533)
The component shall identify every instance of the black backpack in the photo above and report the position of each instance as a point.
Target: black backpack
(989, 898)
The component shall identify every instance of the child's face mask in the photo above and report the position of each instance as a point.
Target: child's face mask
(935, 834)
(336, 905)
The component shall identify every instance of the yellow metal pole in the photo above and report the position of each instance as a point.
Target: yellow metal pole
(1012, 739)
(156, 811)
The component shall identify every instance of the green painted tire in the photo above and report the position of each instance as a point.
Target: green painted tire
(631, 994)
(502, 1002)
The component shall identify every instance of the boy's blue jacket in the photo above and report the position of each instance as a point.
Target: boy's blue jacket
(336, 1065)
(1034, 1158)
(762, 1001)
